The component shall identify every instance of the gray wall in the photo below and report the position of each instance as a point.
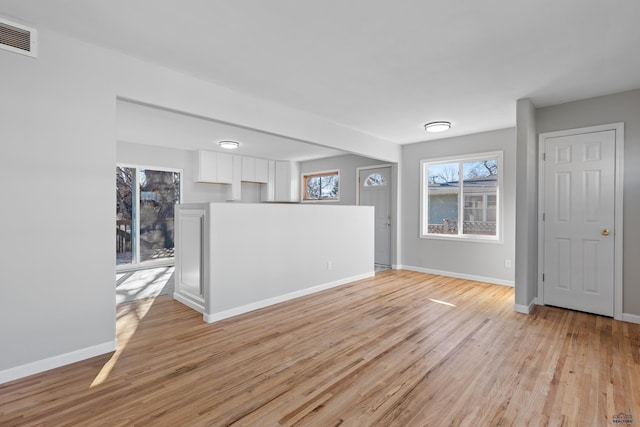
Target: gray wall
(347, 165)
(526, 264)
(622, 107)
(192, 192)
(463, 258)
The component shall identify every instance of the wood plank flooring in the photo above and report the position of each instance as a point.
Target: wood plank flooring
(400, 349)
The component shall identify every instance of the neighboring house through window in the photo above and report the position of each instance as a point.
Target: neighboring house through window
(321, 186)
(461, 197)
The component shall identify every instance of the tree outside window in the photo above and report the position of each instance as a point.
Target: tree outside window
(145, 203)
(321, 186)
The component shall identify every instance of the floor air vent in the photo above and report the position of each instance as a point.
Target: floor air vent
(17, 38)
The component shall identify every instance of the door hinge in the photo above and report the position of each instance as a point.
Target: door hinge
(544, 157)
(544, 216)
(543, 277)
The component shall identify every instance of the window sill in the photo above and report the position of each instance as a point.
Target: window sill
(464, 238)
(320, 200)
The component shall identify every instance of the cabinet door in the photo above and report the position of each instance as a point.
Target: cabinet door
(268, 189)
(262, 171)
(234, 191)
(249, 169)
(286, 182)
(206, 166)
(225, 168)
(283, 179)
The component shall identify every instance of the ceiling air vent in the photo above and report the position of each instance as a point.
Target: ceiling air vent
(17, 38)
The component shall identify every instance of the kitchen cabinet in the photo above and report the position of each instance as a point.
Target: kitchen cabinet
(255, 170)
(287, 182)
(268, 189)
(234, 191)
(213, 167)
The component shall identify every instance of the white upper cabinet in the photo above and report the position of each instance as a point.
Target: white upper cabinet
(214, 167)
(234, 191)
(262, 171)
(287, 182)
(255, 170)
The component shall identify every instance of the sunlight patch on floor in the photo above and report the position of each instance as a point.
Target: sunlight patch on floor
(127, 325)
(442, 302)
(140, 284)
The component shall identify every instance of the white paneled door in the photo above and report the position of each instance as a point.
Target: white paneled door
(579, 221)
(375, 190)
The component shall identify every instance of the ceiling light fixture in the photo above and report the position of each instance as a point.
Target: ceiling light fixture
(437, 126)
(229, 145)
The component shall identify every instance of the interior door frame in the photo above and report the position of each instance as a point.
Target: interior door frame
(618, 207)
(392, 205)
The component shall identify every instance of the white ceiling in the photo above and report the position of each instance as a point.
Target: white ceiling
(154, 126)
(381, 67)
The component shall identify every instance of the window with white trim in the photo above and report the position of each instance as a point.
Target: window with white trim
(145, 204)
(461, 197)
(321, 186)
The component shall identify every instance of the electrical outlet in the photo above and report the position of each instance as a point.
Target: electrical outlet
(329, 265)
(507, 263)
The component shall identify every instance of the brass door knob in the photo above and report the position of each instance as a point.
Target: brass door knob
(605, 232)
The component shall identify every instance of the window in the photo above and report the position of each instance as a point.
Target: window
(375, 180)
(321, 186)
(145, 202)
(461, 197)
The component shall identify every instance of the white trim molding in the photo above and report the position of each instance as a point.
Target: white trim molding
(492, 280)
(38, 366)
(214, 317)
(631, 318)
(525, 309)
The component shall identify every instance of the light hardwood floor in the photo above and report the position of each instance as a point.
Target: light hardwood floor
(400, 349)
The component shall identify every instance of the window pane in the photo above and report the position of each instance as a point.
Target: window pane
(313, 187)
(374, 180)
(443, 185)
(124, 215)
(159, 193)
(491, 207)
(320, 186)
(329, 187)
(479, 189)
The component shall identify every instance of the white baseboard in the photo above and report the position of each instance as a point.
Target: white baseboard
(188, 302)
(458, 275)
(56, 361)
(631, 318)
(214, 317)
(526, 309)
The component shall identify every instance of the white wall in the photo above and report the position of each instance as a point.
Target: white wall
(348, 165)
(58, 130)
(621, 107)
(484, 261)
(262, 252)
(57, 123)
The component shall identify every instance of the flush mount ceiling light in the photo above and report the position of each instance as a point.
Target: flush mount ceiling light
(437, 126)
(229, 145)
